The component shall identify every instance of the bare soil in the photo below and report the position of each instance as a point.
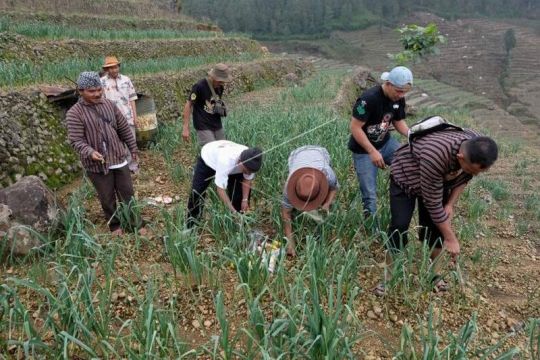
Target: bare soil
(501, 284)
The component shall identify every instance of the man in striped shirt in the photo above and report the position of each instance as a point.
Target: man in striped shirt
(435, 171)
(97, 130)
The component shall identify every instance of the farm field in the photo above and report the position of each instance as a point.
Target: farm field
(205, 295)
(178, 293)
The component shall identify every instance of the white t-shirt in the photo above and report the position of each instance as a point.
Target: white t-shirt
(222, 156)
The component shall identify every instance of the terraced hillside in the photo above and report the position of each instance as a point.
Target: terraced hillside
(478, 58)
(205, 294)
(163, 62)
(474, 59)
(138, 8)
(29, 21)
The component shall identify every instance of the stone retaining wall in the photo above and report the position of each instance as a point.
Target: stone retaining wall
(33, 140)
(81, 21)
(170, 99)
(352, 88)
(18, 48)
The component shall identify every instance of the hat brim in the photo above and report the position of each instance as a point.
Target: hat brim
(227, 79)
(110, 65)
(314, 203)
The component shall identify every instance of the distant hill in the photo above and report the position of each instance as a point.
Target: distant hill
(311, 18)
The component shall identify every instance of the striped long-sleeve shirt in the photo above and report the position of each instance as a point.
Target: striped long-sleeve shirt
(99, 127)
(430, 167)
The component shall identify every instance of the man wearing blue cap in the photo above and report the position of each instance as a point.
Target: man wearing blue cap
(370, 141)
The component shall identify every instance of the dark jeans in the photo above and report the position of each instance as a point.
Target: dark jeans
(116, 184)
(202, 177)
(402, 209)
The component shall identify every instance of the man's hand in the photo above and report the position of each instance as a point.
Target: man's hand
(245, 205)
(452, 246)
(185, 134)
(96, 156)
(326, 207)
(377, 159)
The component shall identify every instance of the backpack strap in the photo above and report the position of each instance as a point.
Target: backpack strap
(214, 95)
(416, 131)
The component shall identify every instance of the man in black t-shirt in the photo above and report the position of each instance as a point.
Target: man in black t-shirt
(208, 109)
(371, 144)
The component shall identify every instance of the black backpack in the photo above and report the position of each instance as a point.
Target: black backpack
(427, 126)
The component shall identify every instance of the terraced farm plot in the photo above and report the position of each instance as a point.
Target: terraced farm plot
(205, 295)
(98, 20)
(29, 73)
(51, 31)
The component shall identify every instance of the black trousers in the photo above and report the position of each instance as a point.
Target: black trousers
(202, 177)
(402, 209)
(110, 187)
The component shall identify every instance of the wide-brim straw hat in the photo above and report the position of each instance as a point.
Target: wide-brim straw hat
(110, 61)
(221, 72)
(307, 189)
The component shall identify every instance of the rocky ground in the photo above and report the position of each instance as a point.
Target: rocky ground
(500, 268)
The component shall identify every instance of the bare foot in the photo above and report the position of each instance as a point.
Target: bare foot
(117, 232)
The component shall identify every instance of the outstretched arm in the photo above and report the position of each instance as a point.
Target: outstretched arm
(361, 138)
(246, 189)
(225, 198)
(187, 115)
(401, 127)
(286, 218)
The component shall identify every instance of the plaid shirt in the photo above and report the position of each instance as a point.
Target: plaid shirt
(99, 127)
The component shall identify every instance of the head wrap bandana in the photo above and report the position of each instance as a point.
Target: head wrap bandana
(88, 79)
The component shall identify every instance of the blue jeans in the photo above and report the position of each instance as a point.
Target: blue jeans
(367, 174)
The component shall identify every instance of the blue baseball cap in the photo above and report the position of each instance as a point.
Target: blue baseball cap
(399, 76)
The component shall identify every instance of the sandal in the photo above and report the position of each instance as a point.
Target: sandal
(439, 284)
(379, 290)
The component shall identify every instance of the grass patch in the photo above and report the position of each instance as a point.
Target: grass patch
(498, 188)
(43, 30)
(132, 298)
(25, 73)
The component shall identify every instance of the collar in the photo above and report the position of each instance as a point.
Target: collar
(110, 78)
(454, 164)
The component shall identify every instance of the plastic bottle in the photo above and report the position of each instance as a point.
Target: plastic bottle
(274, 256)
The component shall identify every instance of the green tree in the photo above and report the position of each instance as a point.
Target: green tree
(418, 43)
(509, 40)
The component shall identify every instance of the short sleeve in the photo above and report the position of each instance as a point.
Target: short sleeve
(223, 168)
(195, 93)
(132, 92)
(362, 109)
(221, 179)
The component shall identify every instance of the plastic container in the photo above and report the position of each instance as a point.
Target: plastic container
(147, 124)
